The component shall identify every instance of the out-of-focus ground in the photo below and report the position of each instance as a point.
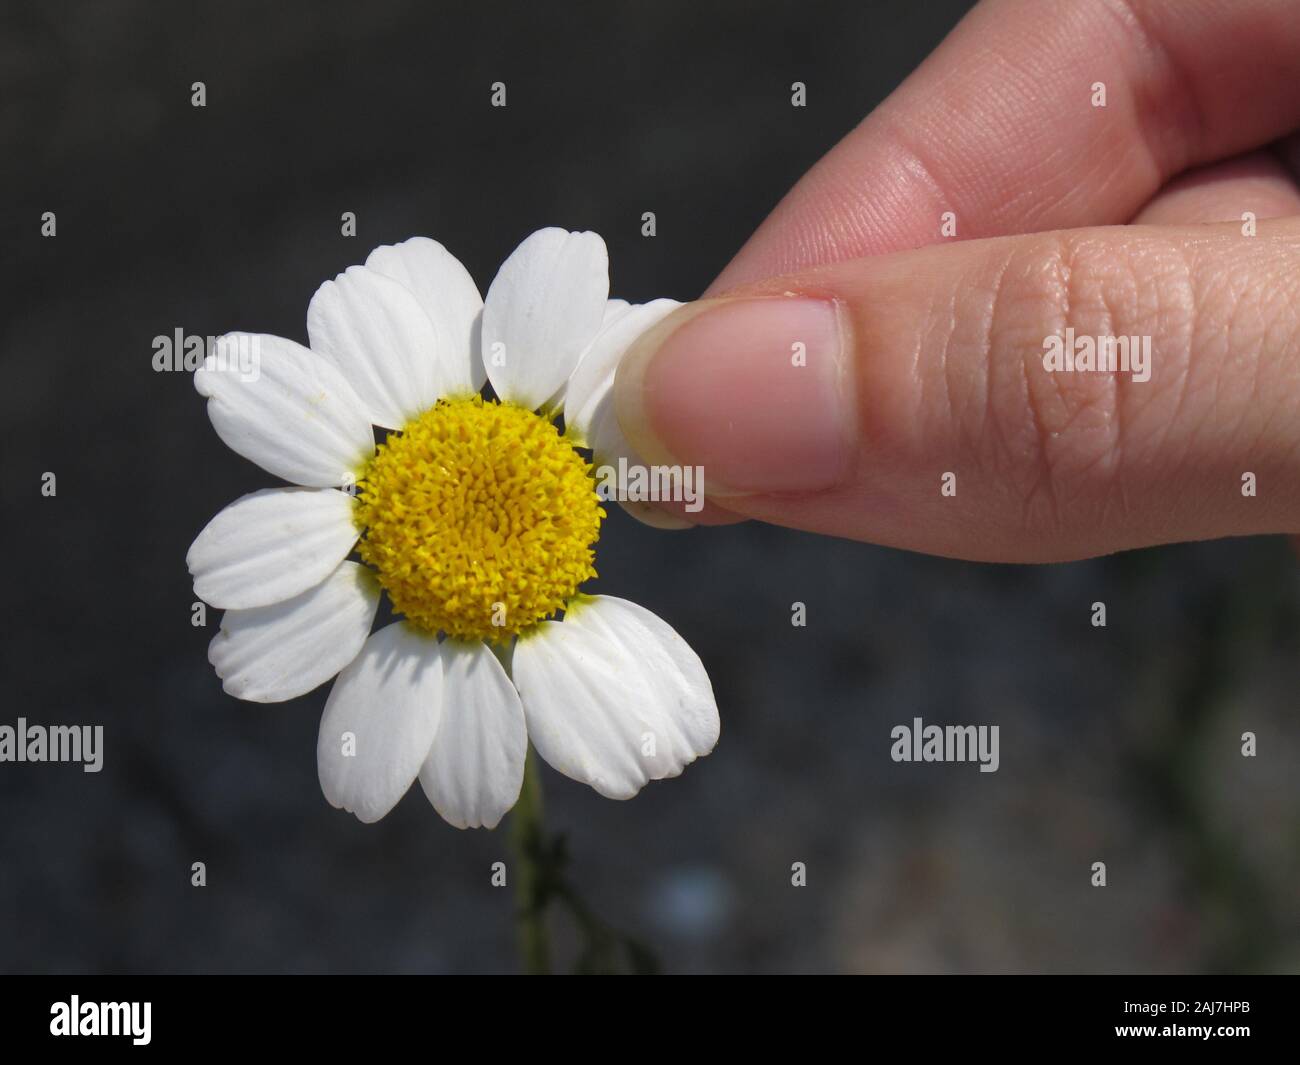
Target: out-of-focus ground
(1119, 744)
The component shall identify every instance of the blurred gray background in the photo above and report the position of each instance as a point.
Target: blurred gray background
(1119, 744)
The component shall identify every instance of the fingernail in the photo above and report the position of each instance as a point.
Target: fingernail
(756, 391)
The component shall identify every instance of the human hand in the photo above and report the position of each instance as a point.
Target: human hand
(861, 370)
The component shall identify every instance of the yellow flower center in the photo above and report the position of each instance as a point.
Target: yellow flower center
(479, 518)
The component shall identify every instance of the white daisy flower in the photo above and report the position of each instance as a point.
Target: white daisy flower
(476, 517)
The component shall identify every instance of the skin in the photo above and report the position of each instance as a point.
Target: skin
(1110, 221)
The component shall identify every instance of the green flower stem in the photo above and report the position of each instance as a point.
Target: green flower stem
(531, 877)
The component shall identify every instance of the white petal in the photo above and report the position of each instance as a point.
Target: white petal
(614, 308)
(384, 709)
(271, 545)
(613, 697)
(664, 662)
(581, 713)
(542, 310)
(375, 332)
(475, 767)
(589, 415)
(296, 416)
(654, 515)
(273, 653)
(594, 377)
(608, 444)
(449, 297)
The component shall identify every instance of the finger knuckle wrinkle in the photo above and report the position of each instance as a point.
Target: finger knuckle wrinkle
(1064, 420)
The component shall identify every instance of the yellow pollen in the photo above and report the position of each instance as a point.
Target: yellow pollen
(480, 519)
